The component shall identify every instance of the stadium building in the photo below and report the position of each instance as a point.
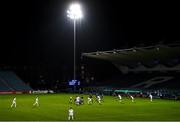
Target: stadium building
(144, 70)
(10, 83)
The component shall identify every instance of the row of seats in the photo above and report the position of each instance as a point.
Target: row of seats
(144, 80)
(9, 81)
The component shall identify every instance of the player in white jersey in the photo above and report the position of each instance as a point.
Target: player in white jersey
(132, 98)
(13, 103)
(99, 99)
(71, 114)
(151, 97)
(36, 102)
(120, 98)
(77, 100)
(89, 100)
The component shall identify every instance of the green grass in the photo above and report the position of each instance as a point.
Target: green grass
(54, 107)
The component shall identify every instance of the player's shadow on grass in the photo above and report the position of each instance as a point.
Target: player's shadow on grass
(35, 107)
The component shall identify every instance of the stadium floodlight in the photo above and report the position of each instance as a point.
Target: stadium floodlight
(74, 12)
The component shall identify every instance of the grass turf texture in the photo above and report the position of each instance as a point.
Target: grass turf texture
(54, 107)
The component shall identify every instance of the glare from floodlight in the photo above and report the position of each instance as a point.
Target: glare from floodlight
(74, 12)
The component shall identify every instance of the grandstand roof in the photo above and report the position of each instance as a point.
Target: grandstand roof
(160, 53)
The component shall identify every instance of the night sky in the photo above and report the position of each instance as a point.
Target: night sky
(38, 32)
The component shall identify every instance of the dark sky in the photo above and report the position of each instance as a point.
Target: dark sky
(37, 32)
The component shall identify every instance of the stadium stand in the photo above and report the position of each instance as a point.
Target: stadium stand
(4, 86)
(146, 81)
(9, 81)
(153, 68)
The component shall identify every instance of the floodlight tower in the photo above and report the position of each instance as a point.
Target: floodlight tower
(74, 12)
